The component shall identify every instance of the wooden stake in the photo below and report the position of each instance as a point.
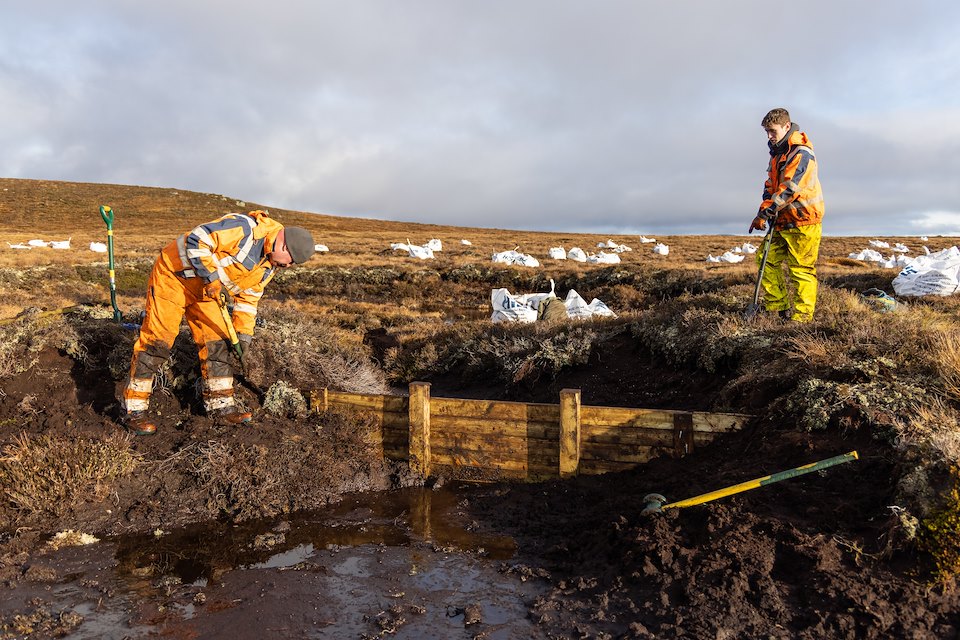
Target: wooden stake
(569, 432)
(420, 428)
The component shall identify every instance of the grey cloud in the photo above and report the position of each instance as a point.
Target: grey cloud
(611, 116)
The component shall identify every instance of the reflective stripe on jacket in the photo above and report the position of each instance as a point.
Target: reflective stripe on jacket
(793, 186)
(232, 249)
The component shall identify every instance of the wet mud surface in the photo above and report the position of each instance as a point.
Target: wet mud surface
(404, 564)
(310, 533)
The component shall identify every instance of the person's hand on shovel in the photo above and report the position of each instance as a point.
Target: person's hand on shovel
(760, 222)
(212, 290)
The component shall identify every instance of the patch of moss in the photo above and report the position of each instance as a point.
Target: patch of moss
(940, 532)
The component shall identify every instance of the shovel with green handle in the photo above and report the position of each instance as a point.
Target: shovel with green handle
(107, 214)
(754, 308)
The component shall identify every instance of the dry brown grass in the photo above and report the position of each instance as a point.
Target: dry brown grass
(46, 473)
(148, 218)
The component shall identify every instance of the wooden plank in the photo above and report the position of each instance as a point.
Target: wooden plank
(540, 457)
(475, 474)
(477, 459)
(595, 467)
(495, 409)
(500, 445)
(371, 402)
(617, 453)
(482, 426)
(701, 439)
(399, 421)
(619, 416)
(395, 453)
(318, 400)
(636, 436)
(718, 422)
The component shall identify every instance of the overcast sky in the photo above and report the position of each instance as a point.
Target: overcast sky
(605, 116)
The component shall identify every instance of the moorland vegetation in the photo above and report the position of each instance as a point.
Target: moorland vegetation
(856, 368)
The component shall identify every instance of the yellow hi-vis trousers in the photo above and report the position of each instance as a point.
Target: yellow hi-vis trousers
(799, 248)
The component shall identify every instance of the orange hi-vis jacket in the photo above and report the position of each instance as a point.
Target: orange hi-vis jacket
(232, 249)
(792, 187)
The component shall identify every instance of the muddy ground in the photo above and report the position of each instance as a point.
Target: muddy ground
(307, 532)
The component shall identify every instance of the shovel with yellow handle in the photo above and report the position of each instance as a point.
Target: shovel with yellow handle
(656, 502)
(231, 331)
(236, 345)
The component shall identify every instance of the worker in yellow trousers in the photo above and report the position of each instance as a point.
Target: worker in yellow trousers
(237, 252)
(792, 196)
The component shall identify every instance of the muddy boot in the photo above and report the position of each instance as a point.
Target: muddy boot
(234, 416)
(137, 423)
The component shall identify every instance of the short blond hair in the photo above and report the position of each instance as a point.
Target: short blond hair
(776, 116)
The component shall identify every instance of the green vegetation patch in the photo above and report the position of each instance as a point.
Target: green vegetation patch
(940, 532)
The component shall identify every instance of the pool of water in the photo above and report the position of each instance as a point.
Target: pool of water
(399, 564)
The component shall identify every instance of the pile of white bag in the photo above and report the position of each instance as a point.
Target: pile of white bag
(603, 258)
(515, 257)
(610, 244)
(523, 308)
(424, 252)
(37, 243)
(737, 254)
(932, 274)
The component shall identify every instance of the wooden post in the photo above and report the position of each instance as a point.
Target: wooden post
(569, 432)
(420, 428)
(318, 400)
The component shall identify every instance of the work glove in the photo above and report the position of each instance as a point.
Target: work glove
(245, 340)
(212, 290)
(763, 217)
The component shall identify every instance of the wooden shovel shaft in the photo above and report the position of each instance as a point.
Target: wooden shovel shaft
(765, 480)
(227, 320)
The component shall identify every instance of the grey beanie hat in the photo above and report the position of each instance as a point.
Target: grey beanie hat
(299, 243)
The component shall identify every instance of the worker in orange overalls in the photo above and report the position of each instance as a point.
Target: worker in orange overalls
(792, 195)
(237, 252)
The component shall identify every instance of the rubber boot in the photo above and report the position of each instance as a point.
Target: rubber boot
(235, 416)
(137, 423)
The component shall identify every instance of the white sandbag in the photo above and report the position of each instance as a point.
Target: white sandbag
(610, 244)
(748, 248)
(466, 243)
(424, 253)
(414, 251)
(880, 244)
(728, 256)
(867, 255)
(661, 249)
(577, 255)
(578, 308)
(19, 246)
(936, 274)
(98, 247)
(517, 308)
(515, 257)
(434, 245)
(598, 308)
(901, 248)
(645, 239)
(321, 248)
(604, 258)
(558, 253)
(60, 244)
(37, 243)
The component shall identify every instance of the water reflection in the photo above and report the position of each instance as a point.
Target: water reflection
(203, 553)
